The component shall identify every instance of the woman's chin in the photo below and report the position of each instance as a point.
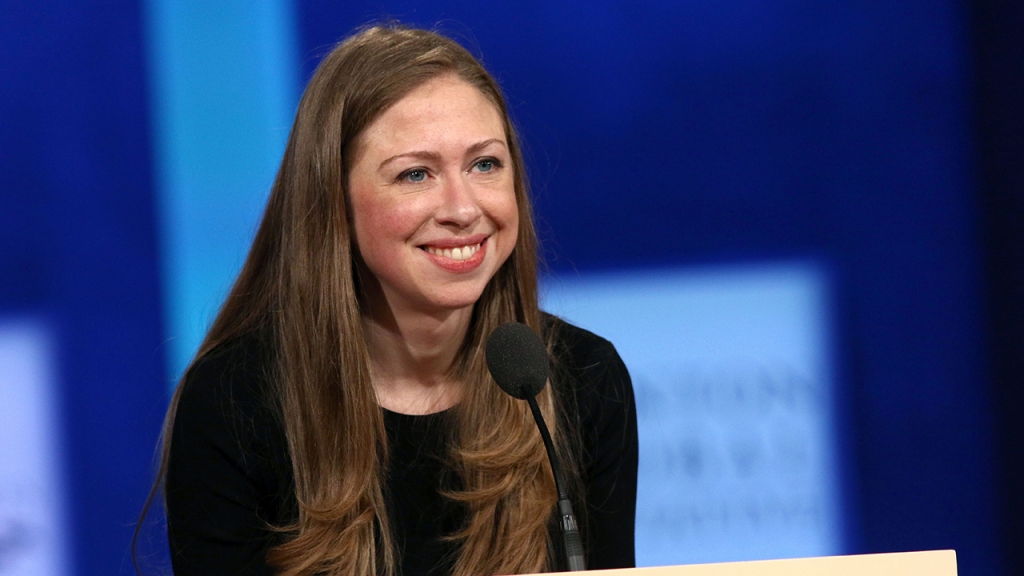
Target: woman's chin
(455, 302)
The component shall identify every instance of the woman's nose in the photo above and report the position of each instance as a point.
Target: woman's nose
(459, 202)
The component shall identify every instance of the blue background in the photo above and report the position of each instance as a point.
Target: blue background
(869, 137)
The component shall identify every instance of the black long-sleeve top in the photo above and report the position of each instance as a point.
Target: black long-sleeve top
(229, 476)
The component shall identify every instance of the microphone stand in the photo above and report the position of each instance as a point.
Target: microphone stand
(566, 519)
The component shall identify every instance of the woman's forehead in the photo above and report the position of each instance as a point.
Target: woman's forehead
(443, 113)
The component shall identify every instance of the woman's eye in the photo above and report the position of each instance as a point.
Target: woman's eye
(414, 175)
(487, 165)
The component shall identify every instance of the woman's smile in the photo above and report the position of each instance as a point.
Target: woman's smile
(457, 255)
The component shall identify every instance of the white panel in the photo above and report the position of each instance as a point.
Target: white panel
(734, 397)
(32, 527)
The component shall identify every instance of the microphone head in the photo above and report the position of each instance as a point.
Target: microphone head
(517, 360)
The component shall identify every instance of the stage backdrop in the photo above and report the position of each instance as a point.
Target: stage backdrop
(766, 206)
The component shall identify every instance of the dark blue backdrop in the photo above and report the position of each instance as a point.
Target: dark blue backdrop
(78, 246)
(661, 133)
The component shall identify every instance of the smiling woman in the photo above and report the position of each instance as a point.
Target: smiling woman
(434, 211)
(339, 417)
(433, 199)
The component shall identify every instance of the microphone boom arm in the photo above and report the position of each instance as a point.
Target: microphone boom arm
(566, 518)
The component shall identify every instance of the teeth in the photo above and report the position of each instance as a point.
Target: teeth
(463, 253)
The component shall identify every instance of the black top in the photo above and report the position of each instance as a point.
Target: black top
(229, 476)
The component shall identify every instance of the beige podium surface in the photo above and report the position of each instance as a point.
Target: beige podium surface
(932, 563)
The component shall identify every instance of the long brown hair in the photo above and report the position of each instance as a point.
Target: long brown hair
(300, 281)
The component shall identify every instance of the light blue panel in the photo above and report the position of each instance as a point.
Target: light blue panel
(33, 518)
(732, 372)
(225, 84)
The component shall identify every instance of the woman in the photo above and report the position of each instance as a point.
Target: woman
(339, 417)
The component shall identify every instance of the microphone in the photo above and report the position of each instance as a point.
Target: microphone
(518, 362)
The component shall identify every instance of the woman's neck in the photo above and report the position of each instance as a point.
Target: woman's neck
(411, 357)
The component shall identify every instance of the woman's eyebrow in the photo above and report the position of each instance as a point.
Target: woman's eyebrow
(434, 156)
(481, 145)
(418, 154)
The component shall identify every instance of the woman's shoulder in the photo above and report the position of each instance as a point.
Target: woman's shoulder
(228, 391)
(586, 365)
(237, 370)
(576, 347)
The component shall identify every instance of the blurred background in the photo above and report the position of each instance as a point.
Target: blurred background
(801, 223)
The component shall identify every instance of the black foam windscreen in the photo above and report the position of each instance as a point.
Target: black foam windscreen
(517, 360)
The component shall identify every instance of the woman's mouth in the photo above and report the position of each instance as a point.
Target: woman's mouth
(455, 257)
(457, 253)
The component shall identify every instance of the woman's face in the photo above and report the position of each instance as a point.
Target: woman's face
(433, 199)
